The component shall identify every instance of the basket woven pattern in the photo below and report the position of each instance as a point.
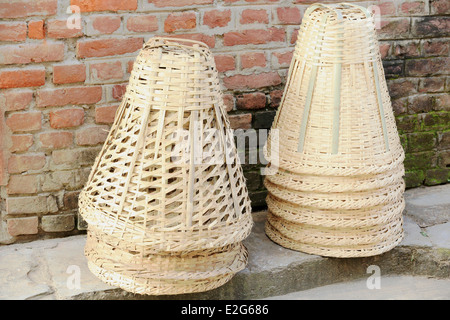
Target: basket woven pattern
(166, 196)
(337, 188)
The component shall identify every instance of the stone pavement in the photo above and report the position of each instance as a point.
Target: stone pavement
(57, 269)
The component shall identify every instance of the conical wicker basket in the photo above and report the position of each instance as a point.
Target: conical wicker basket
(166, 202)
(336, 188)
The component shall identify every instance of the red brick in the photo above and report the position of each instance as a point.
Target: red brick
(13, 31)
(19, 163)
(402, 88)
(56, 140)
(105, 5)
(58, 29)
(22, 78)
(108, 47)
(208, 40)
(251, 101)
(217, 18)
(146, 23)
(431, 26)
(26, 8)
(21, 142)
(65, 96)
(26, 121)
(393, 28)
(105, 114)
(254, 36)
(22, 184)
(439, 7)
(432, 84)
(252, 81)
(436, 47)
(66, 118)
(119, 90)
(69, 73)
(413, 7)
(105, 24)
(30, 52)
(289, 15)
(130, 66)
(180, 21)
(275, 98)
(22, 226)
(254, 16)
(406, 49)
(384, 49)
(179, 3)
(228, 101)
(294, 36)
(225, 62)
(14, 100)
(386, 8)
(106, 71)
(36, 29)
(253, 59)
(89, 136)
(240, 121)
(283, 59)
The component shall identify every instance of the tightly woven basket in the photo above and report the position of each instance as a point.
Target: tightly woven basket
(336, 188)
(166, 202)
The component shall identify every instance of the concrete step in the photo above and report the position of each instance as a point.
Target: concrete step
(57, 268)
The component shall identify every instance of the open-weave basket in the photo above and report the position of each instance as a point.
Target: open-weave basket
(336, 187)
(166, 202)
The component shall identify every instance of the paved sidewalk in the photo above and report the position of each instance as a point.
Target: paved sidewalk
(57, 268)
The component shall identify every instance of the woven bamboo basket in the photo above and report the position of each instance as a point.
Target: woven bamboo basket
(336, 188)
(166, 202)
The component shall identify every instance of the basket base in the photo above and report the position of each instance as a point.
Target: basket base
(146, 286)
(354, 251)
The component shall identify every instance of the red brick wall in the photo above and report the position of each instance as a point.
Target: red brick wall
(60, 87)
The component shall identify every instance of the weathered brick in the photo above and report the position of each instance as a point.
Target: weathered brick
(444, 140)
(289, 15)
(13, 31)
(420, 160)
(252, 81)
(250, 101)
(101, 24)
(254, 36)
(406, 49)
(36, 29)
(66, 118)
(71, 73)
(26, 8)
(105, 114)
(180, 21)
(402, 87)
(253, 59)
(275, 98)
(118, 91)
(105, 5)
(436, 176)
(22, 226)
(89, 136)
(421, 141)
(22, 184)
(70, 200)
(65, 96)
(436, 47)
(21, 142)
(435, 120)
(432, 84)
(431, 26)
(142, 23)
(14, 100)
(19, 163)
(26, 121)
(241, 121)
(282, 59)
(421, 104)
(426, 67)
(400, 106)
(108, 47)
(409, 123)
(217, 18)
(58, 29)
(228, 101)
(74, 158)
(263, 119)
(20, 78)
(56, 140)
(254, 16)
(225, 62)
(393, 28)
(442, 102)
(439, 7)
(100, 72)
(414, 178)
(58, 223)
(413, 7)
(31, 205)
(31, 52)
(393, 68)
